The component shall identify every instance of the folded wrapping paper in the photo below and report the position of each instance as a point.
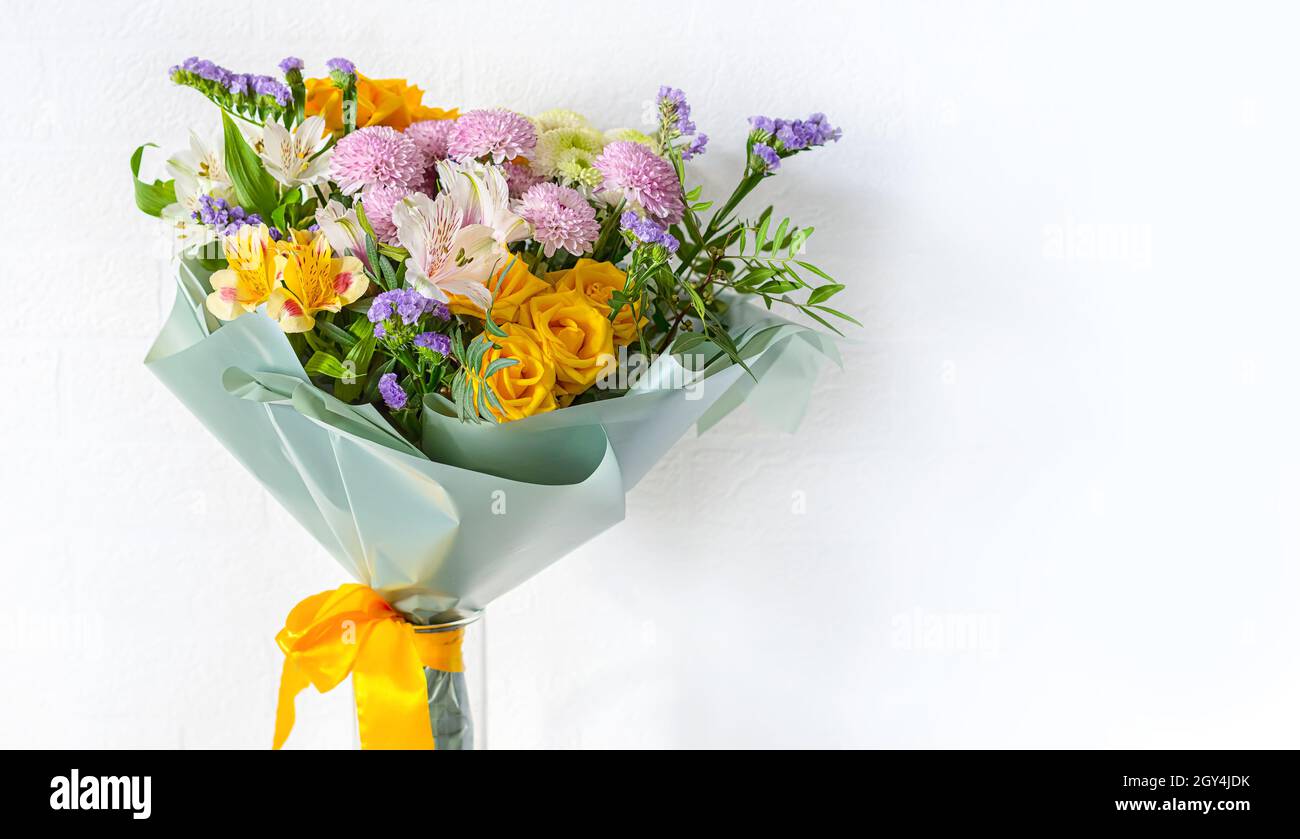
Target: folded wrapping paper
(475, 510)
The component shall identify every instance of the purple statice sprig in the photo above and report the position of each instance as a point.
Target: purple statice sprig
(251, 95)
(399, 315)
(773, 139)
(341, 66)
(218, 214)
(434, 342)
(675, 124)
(393, 394)
(343, 74)
(640, 231)
(247, 94)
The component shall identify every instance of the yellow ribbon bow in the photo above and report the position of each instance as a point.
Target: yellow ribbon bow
(354, 630)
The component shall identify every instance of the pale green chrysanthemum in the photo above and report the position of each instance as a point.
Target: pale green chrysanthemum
(551, 145)
(632, 135)
(559, 118)
(575, 167)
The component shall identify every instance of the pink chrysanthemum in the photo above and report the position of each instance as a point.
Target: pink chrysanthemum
(520, 178)
(432, 136)
(376, 156)
(496, 133)
(378, 202)
(643, 177)
(561, 218)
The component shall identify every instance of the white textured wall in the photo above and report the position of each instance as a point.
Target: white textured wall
(1087, 461)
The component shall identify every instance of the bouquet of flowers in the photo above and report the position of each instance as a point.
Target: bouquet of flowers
(428, 333)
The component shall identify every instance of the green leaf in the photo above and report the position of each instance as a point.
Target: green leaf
(823, 293)
(150, 198)
(819, 272)
(837, 314)
(254, 187)
(687, 341)
(777, 287)
(499, 365)
(755, 276)
(779, 238)
(336, 334)
(359, 356)
(810, 313)
(324, 364)
(760, 237)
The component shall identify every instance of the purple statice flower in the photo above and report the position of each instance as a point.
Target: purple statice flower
(276, 89)
(376, 156)
(221, 217)
(674, 112)
(494, 133)
(822, 131)
(696, 146)
(407, 304)
(239, 83)
(561, 218)
(290, 64)
(648, 232)
(204, 69)
(643, 177)
(434, 341)
(797, 134)
(341, 65)
(767, 157)
(394, 396)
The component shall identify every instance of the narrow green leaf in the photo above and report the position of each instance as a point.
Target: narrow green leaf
(254, 187)
(336, 334)
(324, 364)
(819, 272)
(838, 314)
(823, 293)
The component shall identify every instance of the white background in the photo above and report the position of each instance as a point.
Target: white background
(1051, 500)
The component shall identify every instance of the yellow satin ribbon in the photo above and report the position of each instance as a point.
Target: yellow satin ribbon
(354, 630)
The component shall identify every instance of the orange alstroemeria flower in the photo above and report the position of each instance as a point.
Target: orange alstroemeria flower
(390, 102)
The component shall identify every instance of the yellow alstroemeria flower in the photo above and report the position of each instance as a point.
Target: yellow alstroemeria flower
(512, 292)
(597, 281)
(251, 277)
(526, 388)
(575, 335)
(314, 280)
(390, 102)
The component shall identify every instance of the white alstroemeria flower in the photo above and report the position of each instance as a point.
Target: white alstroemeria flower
(296, 159)
(447, 256)
(483, 194)
(199, 170)
(343, 231)
(189, 231)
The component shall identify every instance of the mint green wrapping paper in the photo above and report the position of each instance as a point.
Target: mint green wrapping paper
(446, 527)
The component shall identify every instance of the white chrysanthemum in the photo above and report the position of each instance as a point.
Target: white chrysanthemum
(558, 146)
(559, 118)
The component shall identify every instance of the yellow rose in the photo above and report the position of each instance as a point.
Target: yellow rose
(575, 335)
(390, 102)
(597, 281)
(518, 286)
(525, 388)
